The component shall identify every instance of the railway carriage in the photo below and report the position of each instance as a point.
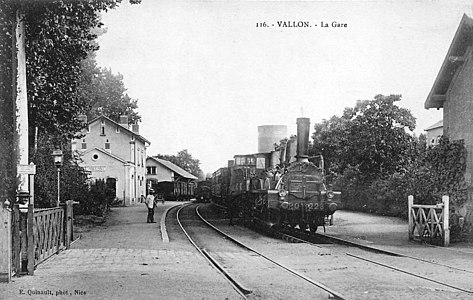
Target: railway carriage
(174, 190)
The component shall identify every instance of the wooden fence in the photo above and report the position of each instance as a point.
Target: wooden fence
(37, 234)
(429, 223)
(5, 243)
(48, 233)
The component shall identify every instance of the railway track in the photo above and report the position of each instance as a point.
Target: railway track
(251, 273)
(358, 271)
(317, 238)
(432, 271)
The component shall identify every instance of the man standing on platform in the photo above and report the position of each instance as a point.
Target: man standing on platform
(150, 204)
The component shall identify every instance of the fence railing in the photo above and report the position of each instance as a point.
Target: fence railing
(39, 233)
(19, 240)
(5, 243)
(48, 233)
(429, 223)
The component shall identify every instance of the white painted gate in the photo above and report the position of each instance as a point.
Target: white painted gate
(429, 223)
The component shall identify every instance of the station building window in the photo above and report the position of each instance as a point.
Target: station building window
(107, 145)
(83, 145)
(151, 170)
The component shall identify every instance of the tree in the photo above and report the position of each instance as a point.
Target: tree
(184, 160)
(378, 139)
(73, 179)
(372, 138)
(105, 94)
(328, 138)
(59, 37)
(8, 180)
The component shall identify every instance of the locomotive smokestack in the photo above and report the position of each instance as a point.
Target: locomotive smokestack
(303, 125)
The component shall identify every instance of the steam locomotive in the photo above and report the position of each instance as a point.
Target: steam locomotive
(281, 188)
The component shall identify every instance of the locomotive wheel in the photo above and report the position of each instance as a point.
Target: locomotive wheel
(302, 226)
(313, 228)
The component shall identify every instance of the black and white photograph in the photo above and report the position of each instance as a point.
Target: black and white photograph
(241, 149)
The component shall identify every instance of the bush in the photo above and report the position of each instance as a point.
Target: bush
(434, 172)
(98, 200)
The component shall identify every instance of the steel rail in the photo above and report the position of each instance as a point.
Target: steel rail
(353, 244)
(242, 291)
(368, 248)
(388, 252)
(449, 249)
(332, 294)
(409, 273)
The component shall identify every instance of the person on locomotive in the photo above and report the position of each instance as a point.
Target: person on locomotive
(277, 174)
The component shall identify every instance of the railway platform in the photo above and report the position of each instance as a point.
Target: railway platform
(390, 234)
(125, 258)
(369, 229)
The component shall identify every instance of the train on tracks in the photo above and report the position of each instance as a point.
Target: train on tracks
(173, 191)
(284, 187)
(203, 192)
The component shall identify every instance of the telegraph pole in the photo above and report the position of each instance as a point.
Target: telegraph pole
(20, 111)
(21, 102)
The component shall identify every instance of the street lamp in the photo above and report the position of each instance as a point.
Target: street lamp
(57, 155)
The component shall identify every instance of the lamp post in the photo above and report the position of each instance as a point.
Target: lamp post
(57, 154)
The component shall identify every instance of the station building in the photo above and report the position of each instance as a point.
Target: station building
(433, 133)
(115, 152)
(182, 183)
(453, 92)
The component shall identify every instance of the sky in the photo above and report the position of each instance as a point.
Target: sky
(206, 74)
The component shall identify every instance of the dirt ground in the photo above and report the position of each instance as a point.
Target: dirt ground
(359, 279)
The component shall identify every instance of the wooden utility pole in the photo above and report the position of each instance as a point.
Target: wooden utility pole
(20, 100)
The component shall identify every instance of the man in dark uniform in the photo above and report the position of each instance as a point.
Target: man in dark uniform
(150, 204)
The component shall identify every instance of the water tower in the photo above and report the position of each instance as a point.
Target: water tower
(268, 135)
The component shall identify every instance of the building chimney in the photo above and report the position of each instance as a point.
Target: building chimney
(135, 128)
(124, 121)
(82, 119)
(303, 125)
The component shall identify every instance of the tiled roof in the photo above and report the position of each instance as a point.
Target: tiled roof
(434, 126)
(174, 168)
(455, 57)
(138, 136)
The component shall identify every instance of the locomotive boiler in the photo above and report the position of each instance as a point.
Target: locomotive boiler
(281, 188)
